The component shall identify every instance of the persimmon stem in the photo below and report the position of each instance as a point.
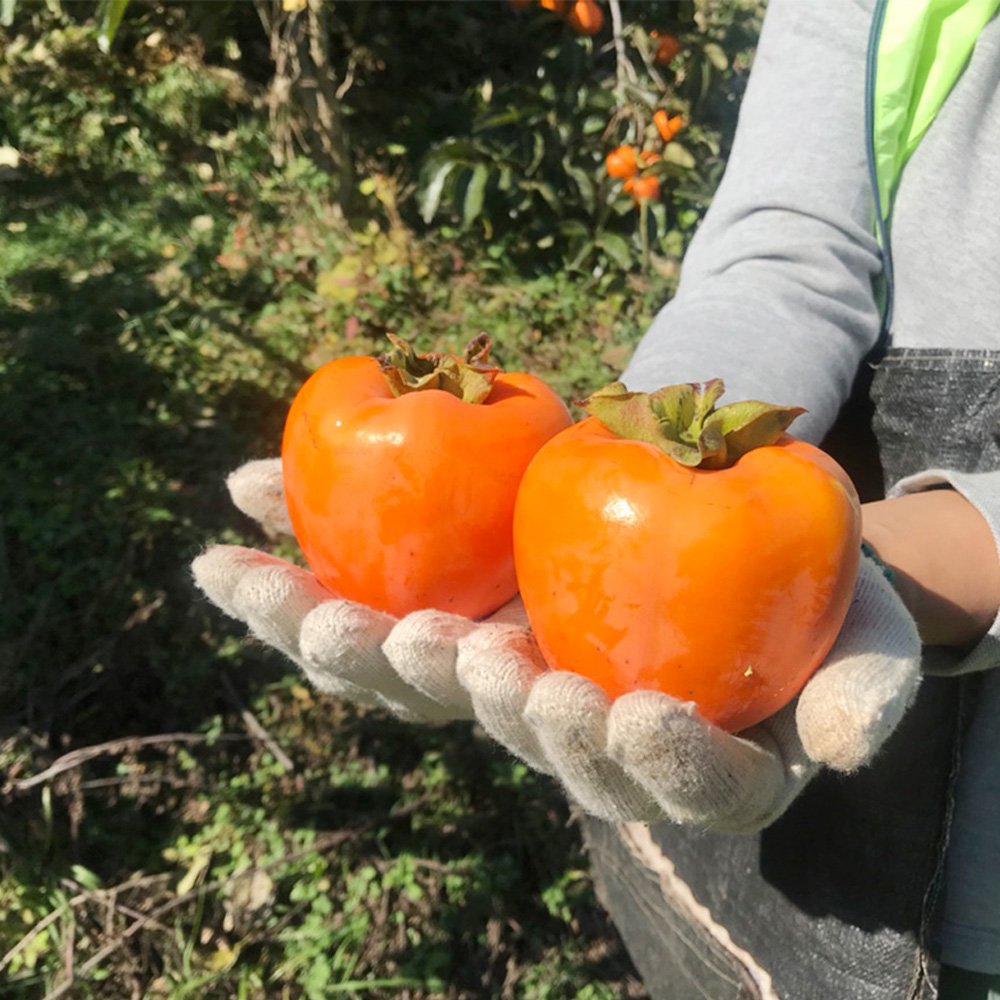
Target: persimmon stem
(682, 421)
(470, 377)
(644, 233)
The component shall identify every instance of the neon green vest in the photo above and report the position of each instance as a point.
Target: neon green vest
(916, 51)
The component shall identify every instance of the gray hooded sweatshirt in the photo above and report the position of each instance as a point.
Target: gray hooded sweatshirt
(776, 297)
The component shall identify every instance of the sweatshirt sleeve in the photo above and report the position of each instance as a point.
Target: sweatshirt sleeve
(776, 293)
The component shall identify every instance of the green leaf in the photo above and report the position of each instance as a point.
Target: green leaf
(459, 150)
(7, 12)
(687, 218)
(538, 153)
(109, 15)
(510, 116)
(474, 193)
(85, 877)
(673, 243)
(548, 193)
(583, 181)
(658, 218)
(430, 197)
(616, 247)
(750, 424)
(678, 155)
(706, 79)
(717, 56)
(573, 229)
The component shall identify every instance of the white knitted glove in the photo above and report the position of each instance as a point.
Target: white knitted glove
(406, 665)
(647, 756)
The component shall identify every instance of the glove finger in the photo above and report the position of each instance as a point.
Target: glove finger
(218, 573)
(569, 716)
(858, 696)
(423, 648)
(219, 570)
(257, 489)
(274, 599)
(498, 665)
(695, 771)
(342, 652)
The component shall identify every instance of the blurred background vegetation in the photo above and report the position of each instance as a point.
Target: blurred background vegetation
(200, 202)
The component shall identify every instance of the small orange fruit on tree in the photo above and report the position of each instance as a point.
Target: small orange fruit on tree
(667, 47)
(666, 125)
(585, 17)
(622, 163)
(643, 188)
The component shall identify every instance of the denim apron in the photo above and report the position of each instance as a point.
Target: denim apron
(838, 899)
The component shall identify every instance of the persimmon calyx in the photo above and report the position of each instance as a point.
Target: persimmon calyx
(469, 377)
(682, 421)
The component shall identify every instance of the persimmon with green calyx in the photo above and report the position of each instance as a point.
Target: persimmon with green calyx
(666, 544)
(401, 473)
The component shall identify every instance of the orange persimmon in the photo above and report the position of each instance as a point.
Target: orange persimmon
(642, 188)
(667, 47)
(585, 17)
(401, 474)
(667, 127)
(621, 162)
(699, 552)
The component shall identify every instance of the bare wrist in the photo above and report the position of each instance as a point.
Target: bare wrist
(944, 558)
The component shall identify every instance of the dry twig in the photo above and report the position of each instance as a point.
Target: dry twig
(254, 727)
(624, 70)
(75, 758)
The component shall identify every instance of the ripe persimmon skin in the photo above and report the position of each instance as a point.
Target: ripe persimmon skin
(407, 503)
(722, 587)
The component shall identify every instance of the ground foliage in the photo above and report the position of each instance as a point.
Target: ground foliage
(180, 815)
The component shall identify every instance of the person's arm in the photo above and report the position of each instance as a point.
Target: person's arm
(777, 298)
(944, 559)
(776, 293)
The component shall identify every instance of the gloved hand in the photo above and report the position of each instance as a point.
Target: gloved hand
(647, 756)
(405, 665)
